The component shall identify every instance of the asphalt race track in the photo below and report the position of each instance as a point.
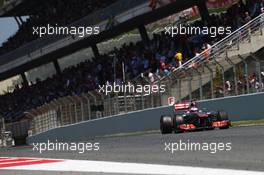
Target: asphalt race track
(247, 151)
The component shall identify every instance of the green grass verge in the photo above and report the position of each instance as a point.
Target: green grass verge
(248, 123)
(130, 134)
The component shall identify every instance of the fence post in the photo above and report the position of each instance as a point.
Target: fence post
(2, 130)
(223, 76)
(249, 35)
(258, 67)
(246, 71)
(234, 72)
(125, 101)
(101, 99)
(82, 110)
(142, 100)
(239, 39)
(200, 83)
(88, 106)
(173, 76)
(179, 89)
(32, 120)
(135, 102)
(190, 83)
(211, 80)
(109, 105)
(116, 103)
(70, 113)
(95, 101)
(159, 84)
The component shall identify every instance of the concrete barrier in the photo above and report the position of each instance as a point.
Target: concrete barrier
(244, 107)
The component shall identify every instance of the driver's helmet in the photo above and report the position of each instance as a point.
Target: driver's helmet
(193, 109)
(193, 104)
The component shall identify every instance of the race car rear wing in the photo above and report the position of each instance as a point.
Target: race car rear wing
(185, 105)
(182, 106)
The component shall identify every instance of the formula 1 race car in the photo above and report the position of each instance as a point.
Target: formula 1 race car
(192, 119)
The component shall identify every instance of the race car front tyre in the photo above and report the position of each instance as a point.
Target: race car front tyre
(223, 116)
(166, 124)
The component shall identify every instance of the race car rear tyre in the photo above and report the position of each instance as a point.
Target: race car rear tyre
(222, 115)
(166, 124)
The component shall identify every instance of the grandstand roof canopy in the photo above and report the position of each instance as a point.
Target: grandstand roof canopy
(127, 26)
(18, 8)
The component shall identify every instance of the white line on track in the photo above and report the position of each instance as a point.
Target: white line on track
(129, 168)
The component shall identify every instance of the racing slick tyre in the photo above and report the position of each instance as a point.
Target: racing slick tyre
(222, 115)
(178, 120)
(166, 124)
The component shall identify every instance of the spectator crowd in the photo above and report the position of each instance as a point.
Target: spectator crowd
(159, 56)
(251, 83)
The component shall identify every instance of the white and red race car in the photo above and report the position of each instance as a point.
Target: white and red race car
(188, 117)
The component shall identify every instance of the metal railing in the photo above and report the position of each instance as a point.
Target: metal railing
(223, 46)
(219, 55)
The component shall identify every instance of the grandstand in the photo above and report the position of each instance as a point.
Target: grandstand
(233, 66)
